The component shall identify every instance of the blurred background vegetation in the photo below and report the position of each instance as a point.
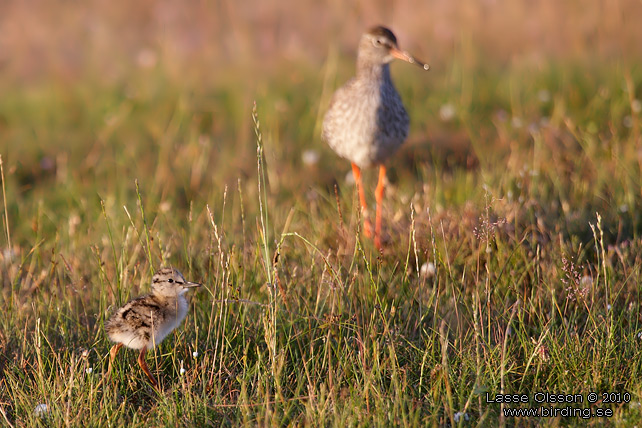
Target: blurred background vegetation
(188, 73)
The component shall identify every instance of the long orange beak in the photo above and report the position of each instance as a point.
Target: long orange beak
(405, 56)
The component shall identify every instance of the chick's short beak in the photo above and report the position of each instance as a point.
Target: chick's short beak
(191, 285)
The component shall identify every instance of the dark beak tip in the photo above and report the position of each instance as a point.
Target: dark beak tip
(405, 56)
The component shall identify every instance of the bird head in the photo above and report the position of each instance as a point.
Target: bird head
(170, 282)
(379, 46)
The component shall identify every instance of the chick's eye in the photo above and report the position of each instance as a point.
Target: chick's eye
(170, 280)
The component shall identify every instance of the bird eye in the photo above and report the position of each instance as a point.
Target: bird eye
(170, 280)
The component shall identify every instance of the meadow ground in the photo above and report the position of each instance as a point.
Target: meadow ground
(512, 264)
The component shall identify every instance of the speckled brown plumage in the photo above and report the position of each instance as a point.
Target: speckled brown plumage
(366, 121)
(144, 322)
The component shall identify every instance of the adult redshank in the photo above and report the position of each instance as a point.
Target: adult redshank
(366, 121)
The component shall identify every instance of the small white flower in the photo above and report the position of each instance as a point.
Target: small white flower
(74, 221)
(9, 254)
(447, 112)
(165, 206)
(427, 269)
(182, 371)
(350, 179)
(517, 122)
(636, 106)
(608, 307)
(88, 370)
(640, 335)
(41, 410)
(459, 415)
(195, 354)
(310, 157)
(586, 281)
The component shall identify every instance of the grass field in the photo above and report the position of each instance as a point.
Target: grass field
(512, 225)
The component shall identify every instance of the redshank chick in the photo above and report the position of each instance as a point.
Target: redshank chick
(145, 321)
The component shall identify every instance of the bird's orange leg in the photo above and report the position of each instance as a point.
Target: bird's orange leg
(367, 227)
(143, 365)
(379, 196)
